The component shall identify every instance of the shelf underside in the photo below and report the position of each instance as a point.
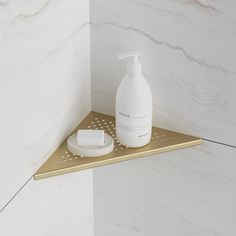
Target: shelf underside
(62, 161)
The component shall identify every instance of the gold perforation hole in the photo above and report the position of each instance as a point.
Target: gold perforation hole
(108, 127)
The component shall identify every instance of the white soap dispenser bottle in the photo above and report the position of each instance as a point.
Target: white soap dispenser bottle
(133, 106)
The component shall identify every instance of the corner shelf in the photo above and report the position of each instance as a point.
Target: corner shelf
(62, 161)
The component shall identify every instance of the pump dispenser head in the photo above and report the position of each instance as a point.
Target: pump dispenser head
(133, 67)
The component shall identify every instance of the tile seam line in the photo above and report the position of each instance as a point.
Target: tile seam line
(220, 143)
(18, 191)
(21, 188)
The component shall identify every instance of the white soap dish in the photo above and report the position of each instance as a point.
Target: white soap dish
(90, 151)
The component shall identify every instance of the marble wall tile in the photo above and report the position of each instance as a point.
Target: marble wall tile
(44, 82)
(185, 192)
(188, 52)
(57, 206)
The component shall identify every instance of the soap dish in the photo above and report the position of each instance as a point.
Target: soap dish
(90, 151)
(62, 161)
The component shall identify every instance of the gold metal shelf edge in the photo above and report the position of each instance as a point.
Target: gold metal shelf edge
(62, 161)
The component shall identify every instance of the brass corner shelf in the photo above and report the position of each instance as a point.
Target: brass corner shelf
(62, 161)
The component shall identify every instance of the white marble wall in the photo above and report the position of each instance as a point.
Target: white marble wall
(44, 91)
(188, 49)
(57, 206)
(185, 192)
(189, 58)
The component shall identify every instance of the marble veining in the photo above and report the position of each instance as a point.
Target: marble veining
(44, 83)
(186, 192)
(188, 57)
(188, 49)
(157, 42)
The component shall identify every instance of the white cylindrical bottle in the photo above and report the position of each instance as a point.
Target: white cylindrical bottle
(133, 107)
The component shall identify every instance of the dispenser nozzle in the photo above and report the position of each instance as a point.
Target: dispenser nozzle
(133, 67)
(128, 55)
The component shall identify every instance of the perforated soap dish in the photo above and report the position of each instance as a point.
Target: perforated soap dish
(62, 161)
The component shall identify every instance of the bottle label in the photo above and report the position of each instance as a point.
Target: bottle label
(133, 116)
(136, 125)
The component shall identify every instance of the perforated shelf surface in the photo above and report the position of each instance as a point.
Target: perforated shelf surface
(62, 161)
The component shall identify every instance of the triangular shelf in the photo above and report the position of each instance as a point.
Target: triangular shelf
(62, 161)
